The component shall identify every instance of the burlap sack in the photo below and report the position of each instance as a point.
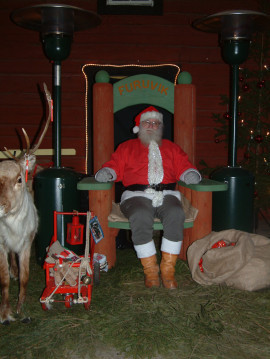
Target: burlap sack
(244, 265)
(65, 269)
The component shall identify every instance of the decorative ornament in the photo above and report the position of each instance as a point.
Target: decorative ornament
(245, 87)
(184, 78)
(227, 116)
(258, 138)
(217, 140)
(261, 84)
(241, 79)
(221, 244)
(26, 167)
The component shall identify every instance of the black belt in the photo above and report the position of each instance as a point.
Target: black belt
(156, 187)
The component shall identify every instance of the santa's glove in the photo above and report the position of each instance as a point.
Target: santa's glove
(191, 176)
(106, 174)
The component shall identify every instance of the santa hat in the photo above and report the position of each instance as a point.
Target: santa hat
(149, 113)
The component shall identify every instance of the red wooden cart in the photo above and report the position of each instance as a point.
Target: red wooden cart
(81, 292)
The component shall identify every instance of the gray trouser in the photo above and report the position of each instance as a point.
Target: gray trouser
(141, 214)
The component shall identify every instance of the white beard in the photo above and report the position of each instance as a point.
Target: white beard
(148, 135)
(155, 172)
(155, 167)
(153, 138)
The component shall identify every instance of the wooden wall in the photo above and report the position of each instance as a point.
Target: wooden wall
(119, 39)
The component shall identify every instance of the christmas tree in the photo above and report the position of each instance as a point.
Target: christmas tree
(253, 140)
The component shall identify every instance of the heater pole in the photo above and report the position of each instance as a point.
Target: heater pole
(234, 116)
(57, 112)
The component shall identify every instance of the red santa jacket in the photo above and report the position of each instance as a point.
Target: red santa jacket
(130, 162)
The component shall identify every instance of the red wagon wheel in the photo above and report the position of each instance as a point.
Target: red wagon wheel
(44, 306)
(68, 300)
(86, 293)
(87, 304)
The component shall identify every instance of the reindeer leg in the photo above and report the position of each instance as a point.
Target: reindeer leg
(5, 309)
(24, 258)
(14, 272)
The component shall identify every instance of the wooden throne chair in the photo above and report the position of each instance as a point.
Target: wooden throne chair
(178, 99)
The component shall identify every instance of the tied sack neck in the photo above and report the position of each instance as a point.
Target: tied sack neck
(155, 172)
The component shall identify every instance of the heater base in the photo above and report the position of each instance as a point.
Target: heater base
(233, 208)
(55, 190)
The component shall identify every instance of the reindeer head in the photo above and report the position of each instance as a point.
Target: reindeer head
(14, 173)
(12, 183)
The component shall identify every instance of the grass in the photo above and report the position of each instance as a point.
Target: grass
(126, 320)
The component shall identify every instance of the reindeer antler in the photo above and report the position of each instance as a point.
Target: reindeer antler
(50, 105)
(11, 155)
(33, 150)
(27, 141)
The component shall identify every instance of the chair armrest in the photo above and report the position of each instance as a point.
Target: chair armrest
(206, 185)
(90, 184)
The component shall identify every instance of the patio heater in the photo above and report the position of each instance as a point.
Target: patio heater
(55, 187)
(234, 207)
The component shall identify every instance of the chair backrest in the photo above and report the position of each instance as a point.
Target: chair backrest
(178, 99)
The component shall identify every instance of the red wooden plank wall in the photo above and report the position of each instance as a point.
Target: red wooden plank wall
(127, 39)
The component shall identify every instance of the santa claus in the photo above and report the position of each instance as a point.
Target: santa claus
(149, 168)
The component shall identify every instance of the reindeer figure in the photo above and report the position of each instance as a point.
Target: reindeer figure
(18, 222)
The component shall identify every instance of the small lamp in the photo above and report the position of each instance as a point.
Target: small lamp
(75, 231)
